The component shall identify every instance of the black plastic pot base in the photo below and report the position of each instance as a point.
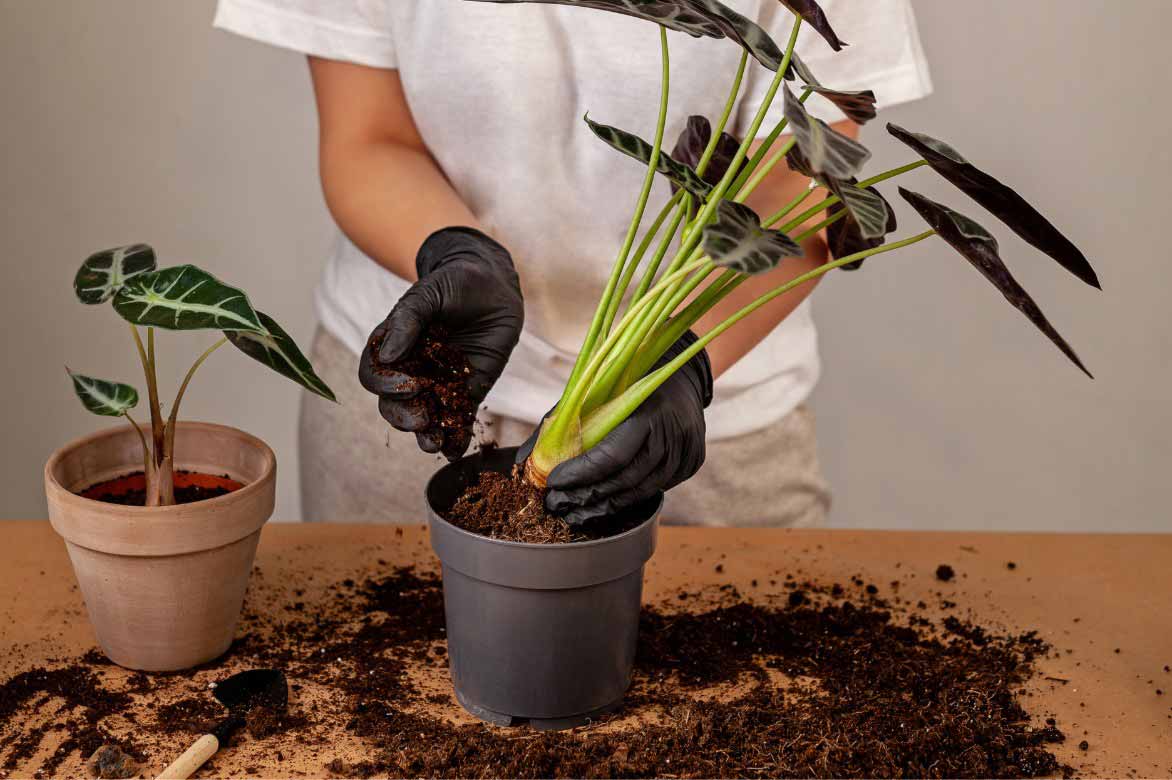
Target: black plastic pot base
(537, 724)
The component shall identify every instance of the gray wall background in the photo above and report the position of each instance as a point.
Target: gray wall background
(939, 408)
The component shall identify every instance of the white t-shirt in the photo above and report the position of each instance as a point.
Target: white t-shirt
(498, 93)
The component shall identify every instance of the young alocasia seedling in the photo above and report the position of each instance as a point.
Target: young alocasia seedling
(722, 242)
(179, 298)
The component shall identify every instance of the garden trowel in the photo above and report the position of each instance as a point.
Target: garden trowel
(240, 693)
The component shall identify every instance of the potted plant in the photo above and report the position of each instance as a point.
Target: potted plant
(162, 523)
(547, 632)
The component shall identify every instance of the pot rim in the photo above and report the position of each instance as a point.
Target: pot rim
(585, 543)
(68, 497)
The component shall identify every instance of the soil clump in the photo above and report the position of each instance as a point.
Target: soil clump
(439, 371)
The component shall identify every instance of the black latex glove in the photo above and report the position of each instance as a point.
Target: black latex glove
(468, 286)
(658, 447)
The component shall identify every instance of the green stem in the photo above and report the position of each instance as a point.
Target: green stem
(729, 105)
(146, 450)
(760, 174)
(649, 180)
(694, 233)
(891, 174)
(763, 150)
(607, 417)
(629, 271)
(820, 226)
(653, 267)
(147, 356)
(169, 446)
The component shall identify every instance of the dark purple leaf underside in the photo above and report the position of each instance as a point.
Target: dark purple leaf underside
(814, 16)
(1001, 201)
(845, 238)
(694, 141)
(698, 18)
(980, 248)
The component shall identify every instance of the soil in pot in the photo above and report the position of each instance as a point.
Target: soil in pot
(507, 507)
(442, 372)
(190, 486)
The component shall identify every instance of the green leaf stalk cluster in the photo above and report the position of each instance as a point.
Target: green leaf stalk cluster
(704, 242)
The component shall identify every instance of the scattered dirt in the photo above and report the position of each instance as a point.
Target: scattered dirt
(803, 679)
(507, 507)
(190, 486)
(441, 371)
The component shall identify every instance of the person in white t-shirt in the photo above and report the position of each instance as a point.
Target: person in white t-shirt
(454, 121)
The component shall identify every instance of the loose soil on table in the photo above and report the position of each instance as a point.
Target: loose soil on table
(802, 679)
(190, 486)
(441, 371)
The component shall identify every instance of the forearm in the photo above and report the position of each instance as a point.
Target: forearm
(388, 198)
(381, 184)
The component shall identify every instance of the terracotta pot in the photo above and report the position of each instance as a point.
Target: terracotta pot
(163, 585)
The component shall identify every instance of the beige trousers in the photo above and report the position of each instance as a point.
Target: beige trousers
(357, 469)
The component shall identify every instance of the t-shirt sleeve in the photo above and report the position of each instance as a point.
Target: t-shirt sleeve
(346, 30)
(884, 55)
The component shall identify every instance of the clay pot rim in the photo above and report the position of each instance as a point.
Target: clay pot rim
(69, 498)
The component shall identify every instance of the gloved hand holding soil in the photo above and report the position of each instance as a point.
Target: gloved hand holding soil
(443, 346)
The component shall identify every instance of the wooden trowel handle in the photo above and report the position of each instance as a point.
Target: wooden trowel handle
(192, 759)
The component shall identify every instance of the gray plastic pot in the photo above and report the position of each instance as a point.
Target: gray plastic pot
(537, 633)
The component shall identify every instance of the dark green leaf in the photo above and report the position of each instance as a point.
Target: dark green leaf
(736, 240)
(103, 273)
(1001, 201)
(827, 152)
(100, 396)
(185, 298)
(698, 18)
(979, 247)
(869, 211)
(694, 141)
(814, 16)
(277, 350)
(634, 146)
(845, 238)
(859, 106)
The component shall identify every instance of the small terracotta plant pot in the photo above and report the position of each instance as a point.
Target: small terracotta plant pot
(163, 585)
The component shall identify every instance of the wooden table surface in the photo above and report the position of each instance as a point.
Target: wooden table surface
(1086, 594)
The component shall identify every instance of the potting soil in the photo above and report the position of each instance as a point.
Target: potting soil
(801, 679)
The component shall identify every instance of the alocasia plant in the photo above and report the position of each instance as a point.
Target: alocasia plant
(179, 298)
(722, 242)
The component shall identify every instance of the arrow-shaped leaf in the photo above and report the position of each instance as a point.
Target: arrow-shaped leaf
(846, 238)
(979, 247)
(736, 240)
(100, 396)
(870, 214)
(814, 16)
(1000, 200)
(277, 350)
(827, 152)
(104, 273)
(698, 18)
(693, 142)
(185, 298)
(634, 146)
